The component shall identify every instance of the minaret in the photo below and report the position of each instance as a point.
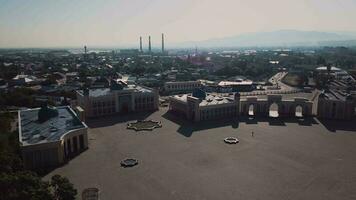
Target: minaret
(162, 43)
(149, 44)
(140, 44)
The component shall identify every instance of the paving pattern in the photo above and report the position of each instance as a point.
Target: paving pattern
(287, 159)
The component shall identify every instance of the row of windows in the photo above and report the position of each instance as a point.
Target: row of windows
(188, 86)
(41, 158)
(143, 99)
(218, 113)
(103, 111)
(148, 106)
(103, 103)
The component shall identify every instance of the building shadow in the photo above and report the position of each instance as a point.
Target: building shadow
(42, 172)
(187, 128)
(115, 119)
(279, 121)
(335, 125)
(306, 121)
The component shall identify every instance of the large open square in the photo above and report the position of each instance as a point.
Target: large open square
(283, 159)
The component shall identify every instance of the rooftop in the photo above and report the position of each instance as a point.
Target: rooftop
(235, 83)
(336, 95)
(324, 68)
(97, 92)
(32, 131)
(210, 99)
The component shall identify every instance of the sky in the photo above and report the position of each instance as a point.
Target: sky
(119, 23)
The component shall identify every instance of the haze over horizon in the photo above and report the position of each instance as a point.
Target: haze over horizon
(41, 23)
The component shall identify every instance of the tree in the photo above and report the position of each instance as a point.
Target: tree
(5, 122)
(63, 189)
(23, 185)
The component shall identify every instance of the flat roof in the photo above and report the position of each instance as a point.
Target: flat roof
(34, 132)
(234, 83)
(210, 99)
(98, 92)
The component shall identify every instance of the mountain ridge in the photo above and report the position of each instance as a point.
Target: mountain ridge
(276, 38)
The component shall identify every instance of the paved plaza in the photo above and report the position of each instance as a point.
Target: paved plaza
(284, 159)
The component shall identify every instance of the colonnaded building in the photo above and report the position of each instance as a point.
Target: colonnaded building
(50, 136)
(119, 98)
(200, 106)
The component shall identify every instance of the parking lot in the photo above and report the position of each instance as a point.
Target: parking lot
(283, 159)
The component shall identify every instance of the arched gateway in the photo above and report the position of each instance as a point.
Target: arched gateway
(274, 106)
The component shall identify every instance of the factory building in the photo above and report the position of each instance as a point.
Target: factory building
(49, 137)
(119, 98)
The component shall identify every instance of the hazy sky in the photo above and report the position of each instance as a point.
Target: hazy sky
(61, 23)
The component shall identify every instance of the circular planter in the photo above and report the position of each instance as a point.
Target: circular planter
(231, 140)
(129, 162)
(147, 125)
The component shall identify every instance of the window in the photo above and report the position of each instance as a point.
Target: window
(75, 144)
(69, 146)
(81, 141)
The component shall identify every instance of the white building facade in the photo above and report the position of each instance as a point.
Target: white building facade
(120, 100)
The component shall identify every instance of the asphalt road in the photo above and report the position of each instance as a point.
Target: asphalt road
(283, 160)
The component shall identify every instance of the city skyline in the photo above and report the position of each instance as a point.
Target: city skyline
(121, 22)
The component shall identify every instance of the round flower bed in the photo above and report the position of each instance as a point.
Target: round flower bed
(231, 140)
(129, 162)
(146, 125)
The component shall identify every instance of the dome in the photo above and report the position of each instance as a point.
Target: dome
(45, 113)
(199, 93)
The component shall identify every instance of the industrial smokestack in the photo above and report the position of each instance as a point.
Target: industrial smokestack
(140, 44)
(85, 53)
(149, 43)
(162, 43)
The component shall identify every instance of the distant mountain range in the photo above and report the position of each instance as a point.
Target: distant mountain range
(282, 38)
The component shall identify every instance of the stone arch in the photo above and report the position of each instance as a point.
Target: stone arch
(299, 110)
(273, 109)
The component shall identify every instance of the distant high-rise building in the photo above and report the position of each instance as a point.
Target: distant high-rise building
(140, 44)
(162, 43)
(149, 43)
